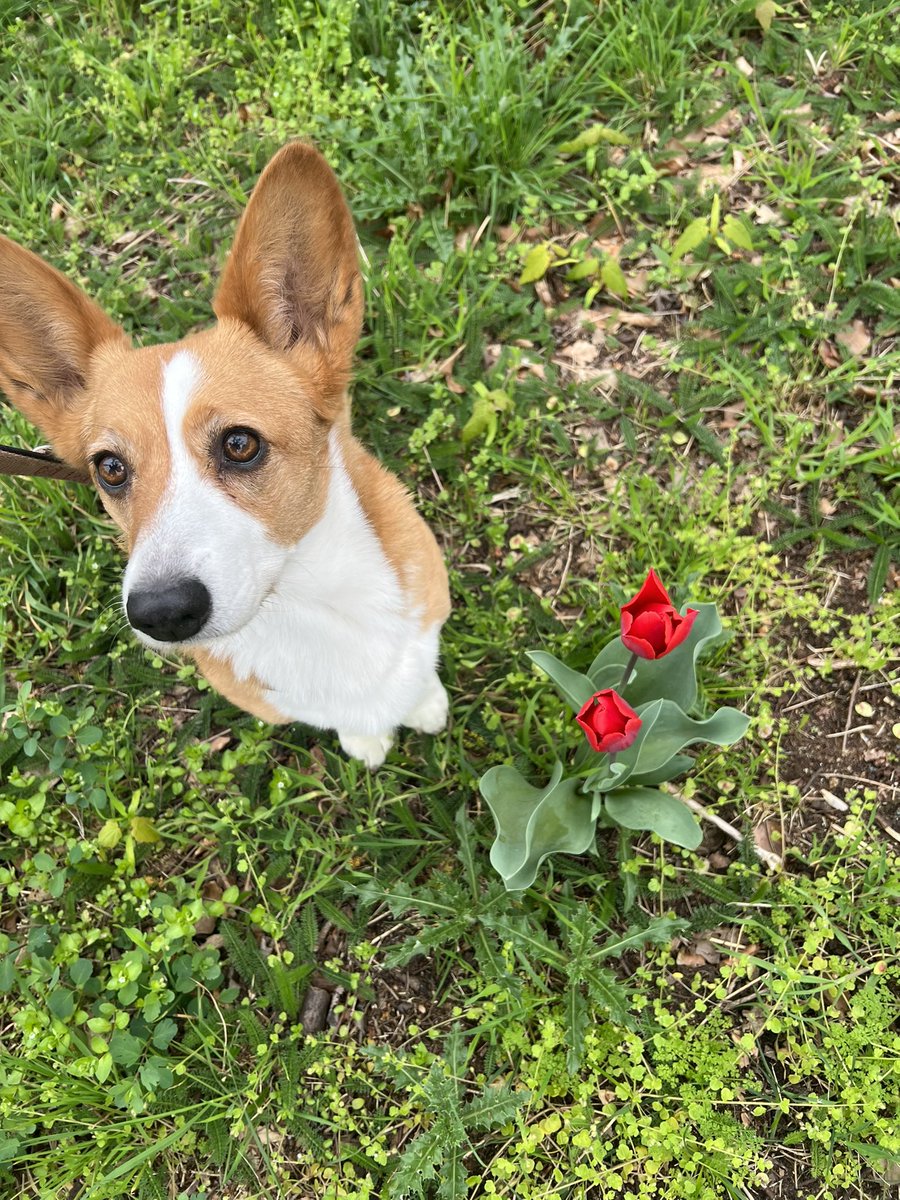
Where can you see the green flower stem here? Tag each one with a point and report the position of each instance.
(626, 675)
(629, 667)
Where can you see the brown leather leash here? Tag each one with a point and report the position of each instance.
(40, 463)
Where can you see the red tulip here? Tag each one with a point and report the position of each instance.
(608, 722)
(651, 625)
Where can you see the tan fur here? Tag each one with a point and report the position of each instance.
(278, 361)
(245, 693)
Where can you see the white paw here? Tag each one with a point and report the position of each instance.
(430, 714)
(370, 750)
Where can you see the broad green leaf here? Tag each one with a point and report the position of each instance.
(485, 413)
(665, 731)
(7, 973)
(646, 808)
(613, 279)
(583, 270)
(61, 1003)
(576, 689)
(110, 835)
(534, 822)
(592, 136)
(9, 1148)
(692, 238)
(677, 765)
(125, 1048)
(736, 231)
(537, 263)
(673, 676)
(765, 13)
(482, 421)
(163, 1032)
(143, 830)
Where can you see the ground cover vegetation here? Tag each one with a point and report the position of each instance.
(632, 302)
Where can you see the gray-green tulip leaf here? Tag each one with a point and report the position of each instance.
(665, 731)
(534, 822)
(576, 689)
(658, 812)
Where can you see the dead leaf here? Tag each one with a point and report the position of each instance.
(543, 293)
(673, 165)
(726, 125)
(765, 215)
(580, 354)
(767, 843)
(530, 366)
(491, 355)
(608, 247)
(718, 175)
(829, 355)
(826, 508)
(641, 320)
(463, 238)
(124, 239)
(57, 210)
(603, 318)
(744, 67)
(429, 371)
(856, 339)
(700, 953)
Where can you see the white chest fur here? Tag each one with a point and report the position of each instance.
(336, 643)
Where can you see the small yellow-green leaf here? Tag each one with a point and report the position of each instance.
(537, 263)
(693, 237)
(714, 213)
(587, 268)
(592, 135)
(109, 835)
(765, 13)
(613, 279)
(736, 231)
(143, 830)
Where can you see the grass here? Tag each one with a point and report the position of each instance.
(182, 886)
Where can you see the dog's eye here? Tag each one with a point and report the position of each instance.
(241, 446)
(111, 471)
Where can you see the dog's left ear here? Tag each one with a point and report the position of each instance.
(50, 336)
(293, 273)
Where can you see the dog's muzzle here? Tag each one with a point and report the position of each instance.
(170, 612)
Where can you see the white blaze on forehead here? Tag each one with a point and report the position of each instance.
(181, 375)
(199, 531)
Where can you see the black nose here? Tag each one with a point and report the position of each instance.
(171, 612)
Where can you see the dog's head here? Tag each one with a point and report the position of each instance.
(210, 454)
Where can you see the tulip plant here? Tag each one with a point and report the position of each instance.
(633, 706)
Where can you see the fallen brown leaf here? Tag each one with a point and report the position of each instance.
(727, 124)
(767, 843)
(829, 355)
(856, 339)
(429, 371)
(744, 67)
(581, 353)
(718, 175)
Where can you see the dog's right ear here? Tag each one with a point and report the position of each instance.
(49, 331)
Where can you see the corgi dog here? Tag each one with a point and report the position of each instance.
(263, 541)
